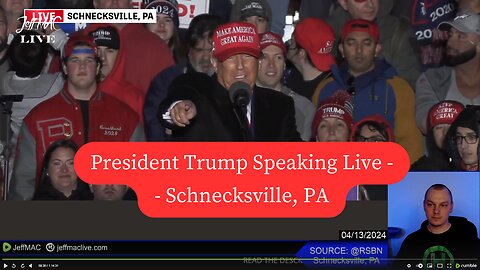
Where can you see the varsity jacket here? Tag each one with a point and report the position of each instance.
(61, 118)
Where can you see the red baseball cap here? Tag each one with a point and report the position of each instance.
(74, 40)
(317, 38)
(444, 112)
(235, 38)
(359, 25)
(270, 38)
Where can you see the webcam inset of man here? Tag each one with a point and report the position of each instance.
(445, 239)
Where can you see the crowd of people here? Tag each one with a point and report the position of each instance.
(359, 70)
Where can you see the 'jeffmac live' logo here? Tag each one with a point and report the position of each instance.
(46, 19)
(39, 19)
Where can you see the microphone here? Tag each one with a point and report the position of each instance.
(239, 93)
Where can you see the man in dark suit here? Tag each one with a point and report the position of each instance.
(198, 107)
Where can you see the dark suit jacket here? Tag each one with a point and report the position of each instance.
(273, 113)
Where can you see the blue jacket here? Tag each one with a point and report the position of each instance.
(157, 92)
(371, 92)
(379, 91)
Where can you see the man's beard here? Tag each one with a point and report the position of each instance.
(198, 67)
(461, 58)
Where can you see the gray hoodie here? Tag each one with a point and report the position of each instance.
(398, 44)
(432, 87)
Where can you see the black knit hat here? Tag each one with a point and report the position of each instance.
(468, 119)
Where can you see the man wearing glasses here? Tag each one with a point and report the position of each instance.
(462, 140)
(372, 129)
(459, 79)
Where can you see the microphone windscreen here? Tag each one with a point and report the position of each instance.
(239, 93)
